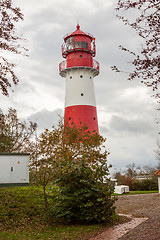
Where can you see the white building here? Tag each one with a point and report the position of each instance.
(158, 175)
(14, 168)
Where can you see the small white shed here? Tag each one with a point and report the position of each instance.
(158, 175)
(121, 189)
(14, 168)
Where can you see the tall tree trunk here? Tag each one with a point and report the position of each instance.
(46, 204)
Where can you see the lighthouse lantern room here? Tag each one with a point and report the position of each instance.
(79, 69)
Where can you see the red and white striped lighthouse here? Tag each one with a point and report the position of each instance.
(79, 69)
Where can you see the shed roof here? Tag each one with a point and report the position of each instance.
(157, 173)
(14, 154)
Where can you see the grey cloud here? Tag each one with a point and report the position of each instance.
(46, 119)
(132, 148)
(137, 126)
(104, 130)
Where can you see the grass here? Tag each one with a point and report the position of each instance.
(60, 233)
(136, 192)
(142, 192)
(22, 217)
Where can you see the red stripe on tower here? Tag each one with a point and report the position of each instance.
(79, 69)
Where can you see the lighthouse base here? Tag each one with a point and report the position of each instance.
(82, 115)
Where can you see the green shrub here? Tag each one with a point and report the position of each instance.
(144, 185)
(83, 197)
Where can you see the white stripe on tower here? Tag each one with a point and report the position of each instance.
(79, 88)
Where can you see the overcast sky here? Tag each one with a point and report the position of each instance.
(126, 110)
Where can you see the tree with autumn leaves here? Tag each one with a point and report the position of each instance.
(76, 161)
(15, 135)
(146, 23)
(9, 42)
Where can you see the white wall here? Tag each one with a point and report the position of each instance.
(159, 183)
(14, 168)
(75, 86)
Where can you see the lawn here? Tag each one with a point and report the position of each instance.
(137, 192)
(142, 192)
(22, 217)
(59, 232)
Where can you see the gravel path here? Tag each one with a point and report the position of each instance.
(145, 225)
(145, 205)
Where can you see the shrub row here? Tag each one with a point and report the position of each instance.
(144, 185)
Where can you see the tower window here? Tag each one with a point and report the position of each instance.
(70, 77)
(81, 44)
(11, 169)
(80, 56)
(81, 76)
(90, 77)
(71, 41)
(94, 118)
(82, 94)
(69, 118)
(85, 45)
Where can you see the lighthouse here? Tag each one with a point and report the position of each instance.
(79, 70)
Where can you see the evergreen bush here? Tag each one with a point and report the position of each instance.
(83, 197)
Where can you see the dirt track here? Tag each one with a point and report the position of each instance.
(139, 206)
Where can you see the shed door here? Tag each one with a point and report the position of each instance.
(17, 169)
(4, 169)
